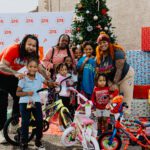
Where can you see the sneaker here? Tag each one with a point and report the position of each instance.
(39, 146)
(2, 138)
(23, 146)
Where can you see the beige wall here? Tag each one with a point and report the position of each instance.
(128, 16)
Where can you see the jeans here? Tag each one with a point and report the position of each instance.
(9, 85)
(26, 115)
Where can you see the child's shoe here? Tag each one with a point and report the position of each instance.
(39, 146)
(23, 146)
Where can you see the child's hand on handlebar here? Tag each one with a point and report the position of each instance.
(53, 84)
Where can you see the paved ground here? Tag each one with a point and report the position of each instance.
(53, 143)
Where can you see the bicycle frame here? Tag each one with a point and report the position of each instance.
(83, 131)
(56, 106)
(140, 132)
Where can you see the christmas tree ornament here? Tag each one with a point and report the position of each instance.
(74, 18)
(91, 18)
(81, 38)
(89, 28)
(78, 29)
(87, 12)
(112, 36)
(78, 46)
(95, 18)
(106, 28)
(80, 19)
(103, 11)
(97, 1)
(79, 6)
(78, 35)
(99, 27)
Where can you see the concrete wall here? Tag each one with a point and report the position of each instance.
(128, 16)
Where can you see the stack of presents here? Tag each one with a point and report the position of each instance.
(140, 61)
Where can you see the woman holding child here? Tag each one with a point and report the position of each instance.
(111, 60)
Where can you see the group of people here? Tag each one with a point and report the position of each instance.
(99, 77)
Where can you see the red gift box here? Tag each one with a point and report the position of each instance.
(145, 43)
(141, 91)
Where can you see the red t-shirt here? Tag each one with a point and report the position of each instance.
(101, 96)
(11, 54)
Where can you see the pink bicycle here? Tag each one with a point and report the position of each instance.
(82, 129)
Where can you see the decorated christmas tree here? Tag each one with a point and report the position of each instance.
(90, 18)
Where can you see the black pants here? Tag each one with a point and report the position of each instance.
(26, 115)
(9, 85)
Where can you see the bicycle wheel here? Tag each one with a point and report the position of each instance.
(65, 119)
(45, 125)
(145, 143)
(104, 141)
(68, 137)
(13, 136)
(93, 144)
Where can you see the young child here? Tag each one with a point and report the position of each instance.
(77, 53)
(86, 68)
(29, 98)
(101, 97)
(64, 93)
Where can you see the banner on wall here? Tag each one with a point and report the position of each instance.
(46, 26)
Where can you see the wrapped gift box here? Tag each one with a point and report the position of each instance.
(140, 107)
(145, 41)
(141, 91)
(140, 61)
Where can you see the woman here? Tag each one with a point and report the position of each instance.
(56, 54)
(111, 60)
(12, 59)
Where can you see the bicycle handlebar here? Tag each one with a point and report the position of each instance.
(62, 82)
(45, 89)
(42, 89)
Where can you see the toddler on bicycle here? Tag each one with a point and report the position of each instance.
(100, 98)
(30, 102)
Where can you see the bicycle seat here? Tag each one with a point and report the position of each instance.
(142, 124)
(85, 120)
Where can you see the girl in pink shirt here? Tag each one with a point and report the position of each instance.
(64, 93)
